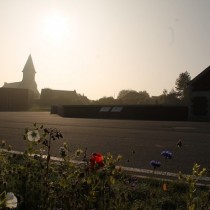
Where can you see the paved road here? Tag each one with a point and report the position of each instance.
(137, 141)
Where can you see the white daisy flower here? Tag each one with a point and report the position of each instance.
(11, 200)
(33, 135)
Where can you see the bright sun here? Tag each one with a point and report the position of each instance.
(55, 27)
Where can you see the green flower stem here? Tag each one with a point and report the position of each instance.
(47, 188)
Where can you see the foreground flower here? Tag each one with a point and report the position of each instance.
(155, 164)
(179, 144)
(164, 187)
(167, 154)
(96, 159)
(3, 143)
(11, 200)
(63, 151)
(33, 135)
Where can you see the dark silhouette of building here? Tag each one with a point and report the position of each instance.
(28, 81)
(15, 99)
(51, 97)
(199, 93)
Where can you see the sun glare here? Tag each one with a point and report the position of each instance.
(55, 28)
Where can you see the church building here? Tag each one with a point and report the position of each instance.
(28, 81)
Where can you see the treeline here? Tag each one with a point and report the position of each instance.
(176, 96)
(179, 95)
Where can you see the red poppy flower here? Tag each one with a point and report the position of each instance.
(96, 159)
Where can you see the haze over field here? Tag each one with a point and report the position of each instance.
(99, 47)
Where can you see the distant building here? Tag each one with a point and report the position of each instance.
(199, 87)
(28, 81)
(51, 97)
(15, 99)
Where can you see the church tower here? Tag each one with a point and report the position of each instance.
(28, 80)
(29, 71)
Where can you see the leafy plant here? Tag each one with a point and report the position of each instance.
(193, 199)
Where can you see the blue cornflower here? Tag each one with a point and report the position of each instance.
(167, 154)
(155, 164)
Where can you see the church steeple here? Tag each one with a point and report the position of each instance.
(29, 66)
(28, 80)
(29, 71)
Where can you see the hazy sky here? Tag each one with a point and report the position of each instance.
(99, 47)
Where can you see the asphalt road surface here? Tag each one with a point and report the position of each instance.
(138, 142)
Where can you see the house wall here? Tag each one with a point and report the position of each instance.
(199, 106)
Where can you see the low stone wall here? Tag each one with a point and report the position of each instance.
(134, 112)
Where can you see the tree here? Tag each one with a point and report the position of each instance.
(130, 98)
(165, 92)
(133, 97)
(168, 98)
(182, 89)
(105, 101)
(144, 97)
(122, 93)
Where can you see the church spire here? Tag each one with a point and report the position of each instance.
(29, 66)
(28, 80)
